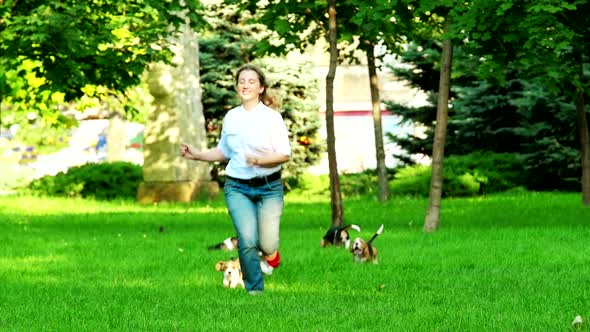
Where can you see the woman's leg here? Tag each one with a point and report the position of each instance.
(270, 209)
(243, 213)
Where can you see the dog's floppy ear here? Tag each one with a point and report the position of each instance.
(221, 266)
(344, 234)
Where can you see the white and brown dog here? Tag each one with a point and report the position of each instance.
(230, 243)
(364, 251)
(338, 236)
(232, 273)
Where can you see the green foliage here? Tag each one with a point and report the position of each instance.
(474, 174)
(308, 185)
(100, 181)
(547, 44)
(494, 172)
(295, 25)
(134, 104)
(510, 115)
(351, 185)
(51, 50)
(359, 184)
(412, 181)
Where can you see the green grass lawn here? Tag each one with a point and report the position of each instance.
(517, 262)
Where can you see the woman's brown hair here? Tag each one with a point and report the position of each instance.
(266, 97)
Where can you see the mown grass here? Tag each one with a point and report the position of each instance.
(516, 262)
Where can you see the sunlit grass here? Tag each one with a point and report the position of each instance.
(514, 262)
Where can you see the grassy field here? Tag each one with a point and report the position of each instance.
(513, 262)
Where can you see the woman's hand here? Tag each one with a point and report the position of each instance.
(188, 152)
(252, 160)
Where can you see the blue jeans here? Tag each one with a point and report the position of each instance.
(256, 215)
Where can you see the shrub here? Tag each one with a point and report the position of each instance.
(473, 174)
(354, 184)
(358, 184)
(308, 184)
(100, 181)
(494, 171)
(412, 181)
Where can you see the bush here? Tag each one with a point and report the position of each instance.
(351, 185)
(308, 184)
(411, 181)
(473, 174)
(100, 181)
(495, 172)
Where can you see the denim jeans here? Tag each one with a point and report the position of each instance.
(256, 215)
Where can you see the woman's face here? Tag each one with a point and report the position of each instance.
(249, 87)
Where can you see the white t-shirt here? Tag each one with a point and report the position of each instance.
(261, 129)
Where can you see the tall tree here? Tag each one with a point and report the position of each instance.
(382, 181)
(584, 134)
(335, 193)
(432, 219)
(433, 13)
(372, 23)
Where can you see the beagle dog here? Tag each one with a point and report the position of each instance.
(232, 273)
(364, 251)
(338, 236)
(230, 243)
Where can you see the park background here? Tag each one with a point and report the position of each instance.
(118, 240)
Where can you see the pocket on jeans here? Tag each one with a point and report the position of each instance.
(228, 185)
(276, 185)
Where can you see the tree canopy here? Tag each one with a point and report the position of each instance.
(50, 51)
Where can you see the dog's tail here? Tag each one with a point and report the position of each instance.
(379, 231)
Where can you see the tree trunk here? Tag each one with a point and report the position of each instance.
(382, 183)
(335, 194)
(584, 138)
(438, 150)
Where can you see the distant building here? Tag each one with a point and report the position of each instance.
(353, 119)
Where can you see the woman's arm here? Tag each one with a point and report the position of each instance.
(211, 155)
(266, 159)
